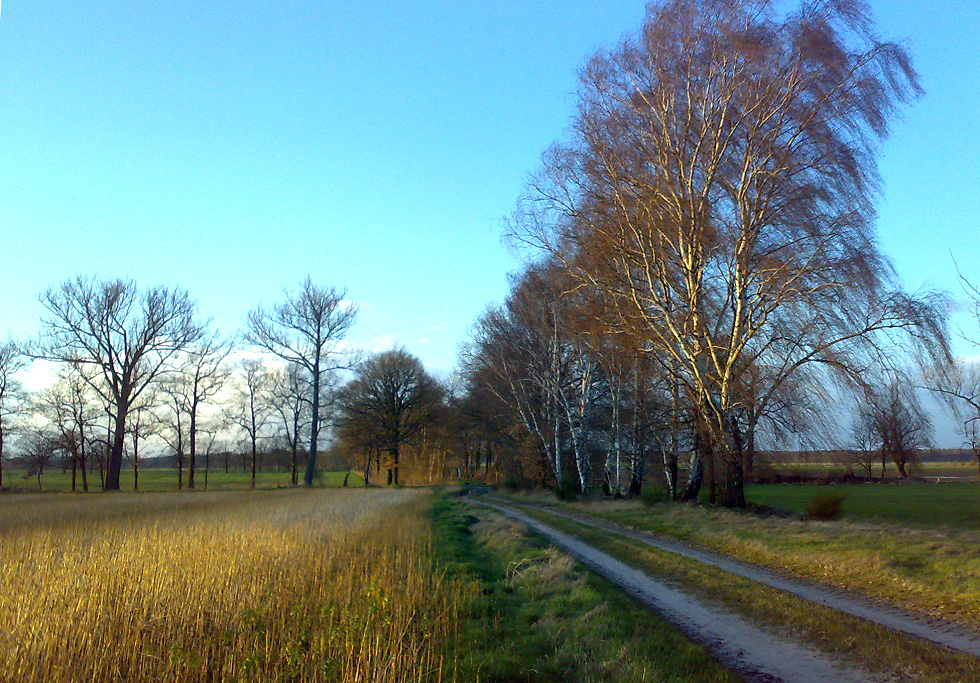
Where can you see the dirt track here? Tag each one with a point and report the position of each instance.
(948, 635)
(756, 654)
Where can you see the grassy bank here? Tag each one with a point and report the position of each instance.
(294, 585)
(539, 616)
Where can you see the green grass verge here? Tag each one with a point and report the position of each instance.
(537, 615)
(931, 570)
(948, 504)
(54, 481)
(887, 654)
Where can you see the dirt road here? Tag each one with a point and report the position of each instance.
(946, 634)
(756, 654)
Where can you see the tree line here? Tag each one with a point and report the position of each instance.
(703, 270)
(140, 365)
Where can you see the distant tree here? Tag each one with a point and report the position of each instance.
(866, 442)
(171, 421)
(126, 335)
(203, 372)
(958, 385)
(72, 416)
(200, 373)
(289, 399)
(305, 330)
(12, 394)
(893, 414)
(144, 423)
(210, 431)
(392, 397)
(40, 446)
(252, 411)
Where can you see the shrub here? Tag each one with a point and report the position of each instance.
(826, 505)
(651, 495)
(567, 487)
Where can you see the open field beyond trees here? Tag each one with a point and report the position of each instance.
(151, 479)
(947, 504)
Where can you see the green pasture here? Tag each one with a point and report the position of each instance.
(166, 480)
(942, 470)
(952, 504)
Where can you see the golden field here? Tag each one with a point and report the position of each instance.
(295, 585)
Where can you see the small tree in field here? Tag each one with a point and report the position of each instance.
(251, 409)
(893, 416)
(40, 447)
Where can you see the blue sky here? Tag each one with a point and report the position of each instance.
(233, 148)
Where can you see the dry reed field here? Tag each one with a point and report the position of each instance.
(295, 585)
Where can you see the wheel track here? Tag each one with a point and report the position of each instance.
(937, 631)
(758, 655)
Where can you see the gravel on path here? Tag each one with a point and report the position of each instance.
(757, 655)
(937, 631)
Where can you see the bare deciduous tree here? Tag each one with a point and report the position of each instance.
(72, 416)
(718, 191)
(900, 427)
(40, 445)
(393, 397)
(958, 385)
(288, 395)
(201, 373)
(127, 335)
(305, 330)
(11, 393)
(251, 405)
(143, 423)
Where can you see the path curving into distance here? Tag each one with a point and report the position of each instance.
(949, 635)
(757, 655)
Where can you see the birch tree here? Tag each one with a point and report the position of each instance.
(717, 189)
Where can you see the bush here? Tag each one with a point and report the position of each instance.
(651, 495)
(826, 505)
(567, 487)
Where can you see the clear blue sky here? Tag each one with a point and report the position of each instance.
(233, 148)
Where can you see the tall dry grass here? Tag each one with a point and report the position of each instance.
(249, 586)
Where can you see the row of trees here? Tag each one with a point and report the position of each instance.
(705, 268)
(134, 362)
(138, 366)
